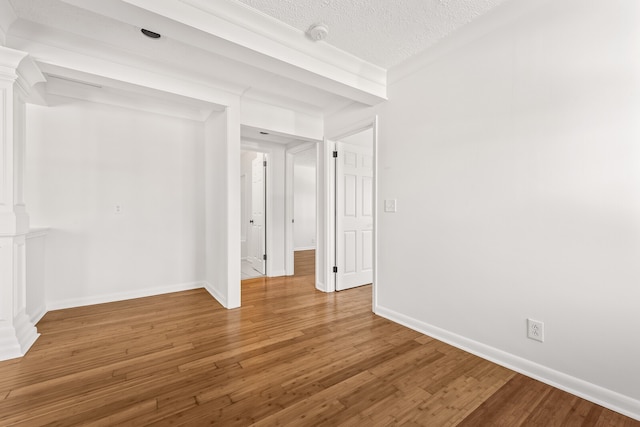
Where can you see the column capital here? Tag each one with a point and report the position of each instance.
(18, 74)
(18, 67)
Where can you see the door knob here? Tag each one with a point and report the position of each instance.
(251, 222)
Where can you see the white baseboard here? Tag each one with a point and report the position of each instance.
(304, 248)
(215, 294)
(38, 314)
(277, 273)
(592, 392)
(121, 296)
(16, 339)
(322, 287)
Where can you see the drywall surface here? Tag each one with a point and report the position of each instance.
(304, 206)
(222, 262)
(515, 162)
(121, 192)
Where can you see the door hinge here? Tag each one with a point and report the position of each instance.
(335, 154)
(335, 269)
(264, 257)
(264, 163)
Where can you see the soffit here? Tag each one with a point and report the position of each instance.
(300, 74)
(191, 54)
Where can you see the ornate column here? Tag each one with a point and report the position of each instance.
(18, 74)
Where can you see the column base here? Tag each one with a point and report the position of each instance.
(17, 339)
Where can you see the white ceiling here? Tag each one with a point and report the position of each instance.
(383, 32)
(254, 49)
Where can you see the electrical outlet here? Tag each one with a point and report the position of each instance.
(117, 209)
(535, 330)
(390, 205)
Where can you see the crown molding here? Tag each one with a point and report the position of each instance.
(254, 21)
(71, 59)
(20, 66)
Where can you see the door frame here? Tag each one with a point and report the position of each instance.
(326, 228)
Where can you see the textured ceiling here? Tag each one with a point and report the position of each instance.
(383, 32)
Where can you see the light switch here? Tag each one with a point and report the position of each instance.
(390, 205)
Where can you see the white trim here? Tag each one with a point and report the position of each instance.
(304, 248)
(277, 273)
(288, 214)
(327, 201)
(38, 315)
(374, 287)
(215, 294)
(594, 393)
(122, 296)
(16, 339)
(37, 232)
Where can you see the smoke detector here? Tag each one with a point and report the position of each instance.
(318, 32)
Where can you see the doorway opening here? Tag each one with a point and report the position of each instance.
(253, 209)
(303, 194)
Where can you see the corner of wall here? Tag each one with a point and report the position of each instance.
(216, 294)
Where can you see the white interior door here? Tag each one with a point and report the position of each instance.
(354, 215)
(256, 249)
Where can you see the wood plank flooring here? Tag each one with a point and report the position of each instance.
(290, 356)
(304, 262)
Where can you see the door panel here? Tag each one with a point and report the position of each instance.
(354, 216)
(256, 249)
(367, 196)
(367, 250)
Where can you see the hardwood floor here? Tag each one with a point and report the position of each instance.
(290, 356)
(304, 263)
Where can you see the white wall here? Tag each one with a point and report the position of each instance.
(83, 159)
(222, 206)
(515, 159)
(304, 205)
(280, 120)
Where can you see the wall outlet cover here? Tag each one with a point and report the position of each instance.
(535, 330)
(390, 205)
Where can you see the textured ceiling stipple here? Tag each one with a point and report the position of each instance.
(383, 32)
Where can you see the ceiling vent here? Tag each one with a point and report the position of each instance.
(150, 33)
